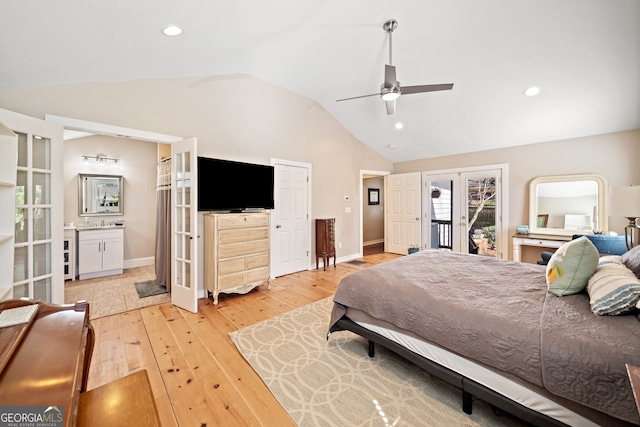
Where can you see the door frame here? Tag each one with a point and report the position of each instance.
(502, 215)
(120, 131)
(363, 173)
(308, 166)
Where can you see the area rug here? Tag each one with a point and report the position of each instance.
(149, 288)
(333, 382)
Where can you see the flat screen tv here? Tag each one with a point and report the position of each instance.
(224, 185)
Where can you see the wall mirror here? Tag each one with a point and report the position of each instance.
(100, 195)
(568, 204)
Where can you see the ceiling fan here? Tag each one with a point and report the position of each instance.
(391, 90)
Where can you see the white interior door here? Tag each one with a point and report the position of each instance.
(38, 230)
(184, 224)
(403, 217)
(290, 220)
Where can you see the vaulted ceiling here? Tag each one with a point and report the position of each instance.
(583, 55)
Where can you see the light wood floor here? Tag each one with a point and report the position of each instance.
(197, 375)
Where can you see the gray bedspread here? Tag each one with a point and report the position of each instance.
(499, 313)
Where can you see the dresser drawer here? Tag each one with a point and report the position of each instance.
(257, 275)
(242, 221)
(257, 261)
(231, 280)
(243, 248)
(242, 235)
(229, 266)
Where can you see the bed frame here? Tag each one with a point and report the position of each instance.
(469, 387)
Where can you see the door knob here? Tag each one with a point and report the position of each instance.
(278, 226)
(417, 218)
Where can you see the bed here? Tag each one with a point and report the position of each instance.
(491, 328)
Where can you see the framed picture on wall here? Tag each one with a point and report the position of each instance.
(374, 196)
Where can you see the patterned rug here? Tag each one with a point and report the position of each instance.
(149, 288)
(335, 383)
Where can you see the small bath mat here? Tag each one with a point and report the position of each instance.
(149, 288)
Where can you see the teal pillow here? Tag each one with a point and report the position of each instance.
(571, 266)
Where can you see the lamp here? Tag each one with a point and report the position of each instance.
(101, 160)
(625, 201)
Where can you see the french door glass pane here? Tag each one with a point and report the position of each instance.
(42, 289)
(22, 150)
(21, 291)
(187, 274)
(41, 259)
(441, 215)
(41, 188)
(21, 225)
(481, 210)
(20, 264)
(41, 224)
(22, 195)
(41, 153)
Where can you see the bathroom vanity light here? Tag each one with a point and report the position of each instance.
(100, 160)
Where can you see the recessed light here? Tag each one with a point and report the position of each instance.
(391, 146)
(532, 91)
(398, 125)
(172, 30)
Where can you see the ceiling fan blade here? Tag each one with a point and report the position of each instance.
(390, 76)
(406, 90)
(356, 97)
(391, 107)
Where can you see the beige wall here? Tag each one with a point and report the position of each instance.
(372, 215)
(138, 167)
(234, 117)
(614, 156)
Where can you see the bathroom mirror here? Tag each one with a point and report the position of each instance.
(568, 204)
(100, 195)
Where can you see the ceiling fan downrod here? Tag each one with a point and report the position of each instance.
(389, 26)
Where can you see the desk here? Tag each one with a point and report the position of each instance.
(539, 240)
(51, 365)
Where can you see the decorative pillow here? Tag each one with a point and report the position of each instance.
(632, 260)
(613, 289)
(571, 266)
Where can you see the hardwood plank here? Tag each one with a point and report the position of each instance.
(187, 396)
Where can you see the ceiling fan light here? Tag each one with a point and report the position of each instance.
(390, 96)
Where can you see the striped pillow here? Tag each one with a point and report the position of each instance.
(613, 289)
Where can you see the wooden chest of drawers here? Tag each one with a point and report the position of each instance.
(236, 252)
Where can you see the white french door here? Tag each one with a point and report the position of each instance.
(184, 224)
(403, 216)
(38, 257)
(290, 220)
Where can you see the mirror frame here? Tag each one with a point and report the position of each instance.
(603, 222)
(81, 194)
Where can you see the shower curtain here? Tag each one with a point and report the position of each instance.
(163, 224)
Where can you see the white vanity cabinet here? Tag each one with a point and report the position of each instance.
(100, 252)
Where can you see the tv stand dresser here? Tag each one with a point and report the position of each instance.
(236, 252)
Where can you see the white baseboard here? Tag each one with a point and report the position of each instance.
(139, 262)
(338, 260)
(373, 242)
